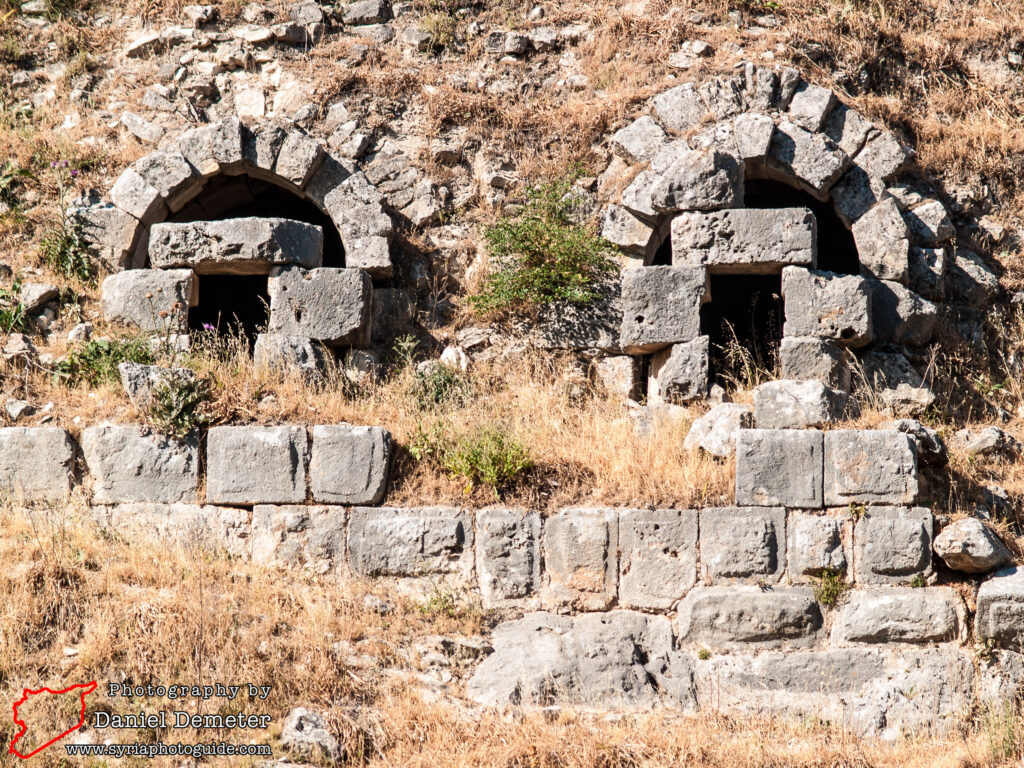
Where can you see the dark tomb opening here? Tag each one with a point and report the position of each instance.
(837, 251)
(663, 256)
(231, 304)
(743, 321)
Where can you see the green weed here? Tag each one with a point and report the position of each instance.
(830, 588)
(95, 362)
(177, 405)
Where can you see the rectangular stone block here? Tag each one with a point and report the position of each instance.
(680, 372)
(893, 545)
(349, 465)
(581, 559)
(36, 463)
(137, 297)
(792, 404)
(819, 359)
(508, 557)
(192, 526)
(327, 305)
(745, 240)
(779, 467)
(744, 616)
(819, 543)
(658, 564)
(661, 306)
(827, 306)
(900, 615)
(299, 536)
(869, 466)
(810, 161)
(410, 542)
(743, 543)
(135, 464)
(256, 465)
(1000, 616)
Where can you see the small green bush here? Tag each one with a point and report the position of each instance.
(540, 255)
(486, 455)
(830, 588)
(96, 361)
(441, 386)
(12, 314)
(177, 405)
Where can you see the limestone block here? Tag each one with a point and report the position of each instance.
(929, 223)
(355, 207)
(597, 325)
(327, 305)
(723, 95)
(792, 404)
(869, 466)
(138, 296)
(286, 354)
(715, 431)
(827, 306)
(366, 12)
(639, 141)
(508, 556)
(636, 198)
(883, 157)
(108, 232)
(349, 465)
(970, 546)
(134, 464)
(895, 382)
(625, 230)
(805, 357)
(971, 280)
(900, 615)
(809, 160)
(256, 465)
(893, 545)
(679, 373)
(260, 148)
(745, 240)
(931, 448)
(172, 176)
(661, 306)
(299, 158)
(215, 148)
(410, 542)
(929, 270)
(753, 132)
(816, 544)
(883, 243)
(810, 105)
(743, 543)
(299, 536)
(856, 193)
(137, 197)
(679, 109)
(581, 559)
(899, 315)
(658, 562)
(619, 375)
(744, 616)
(779, 467)
(847, 128)
(246, 246)
(36, 463)
(205, 528)
(699, 180)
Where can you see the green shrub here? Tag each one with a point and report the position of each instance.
(440, 385)
(177, 405)
(12, 313)
(96, 361)
(486, 455)
(830, 588)
(540, 255)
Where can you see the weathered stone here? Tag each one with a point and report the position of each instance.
(899, 315)
(810, 358)
(36, 463)
(216, 148)
(138, 296)
(810, 105)
(724, 96)
(285, 354)
(507, 555)
(882, 243)
(815, 545)
(743, 543)
(894, 382)
(700, 180)
(856, 193)
(327, 305)
(970, 546)
(829, 306)
(929, 268)
(661, 306)
(172, 176)
(108, 232)
(883, 157)
(658, 562)
(256, 465)
(865, 466)
(1000, 616)
(355, 207)
(791, 404)
(305, 735)
(261, 147)
(929, 223)
(349, 465)
(668, 156)
(715, 431)
(367, 12)
(136, 196)
(410, 542)
(753, 132)
(299, 158)
(847, 128)
(893, 545)
(810, 160)
(971, 280)
(746, 240)
(625, 230)
(246, 246)
(139, 381)
(580, 559)
(736, 617)
(597, 325)
(299, 536)
(680, 372)
(931, 449)
(987, 441)
(779, 467)
(619, 659)
(679, 109)
(639, 141)
(636, 198)
(33, 296)
(900, 615)
(133, 464)
(619, 375)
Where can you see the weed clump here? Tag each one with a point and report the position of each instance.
(486, 455)
(830, 588)
(177, 405)
(95, 362)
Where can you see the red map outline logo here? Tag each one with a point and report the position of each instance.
(87, 689)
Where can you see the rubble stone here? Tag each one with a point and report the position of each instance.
(970, 546)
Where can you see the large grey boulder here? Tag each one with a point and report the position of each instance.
(680, 373)
(715, 431)
(743, 616)
(658, 560)
(827, 306)
(138, 297)
(699, 180)
(507, 556)
(809, 160)
(866, 466)
(900, 615)
(1000, 608)
(299, 536)
(246, 246)
(349, 465)
(893, 545)
(807, 357)
(988, 442)
(305, 735)
(743, 543)
(256, 465)
(410, 542)
(36, 463)
(883, 244)
(791, 404)
(581, 559)
(134, 464)
(779, 467)
(619, 659)
(901, 316)
(816, 544)
(746, 240)
(327, 305)
(970, 546)
(661, 306)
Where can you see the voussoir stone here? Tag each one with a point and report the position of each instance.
(970, 546)
(246, 246)
(900, 615)
(791, 404)
(658, 560)
(508, 555)
(349, 465)
(699, 180)
(256, 465)
(661, 306)
(215, 148)
(410, 542)
(679, 109)
(134, 464)
(715, 432)
(829, 306)
(174, 177)
(883, 243)
(36, 463)
(731, 617)
(743, 543)
(327, 305)
(138, 296)
(810, 160)
(869, 466)
(746, 240)
(639, 141)
(810, 106)
(901, 316)
(893, 545)
(581, 559)
(779, 467)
